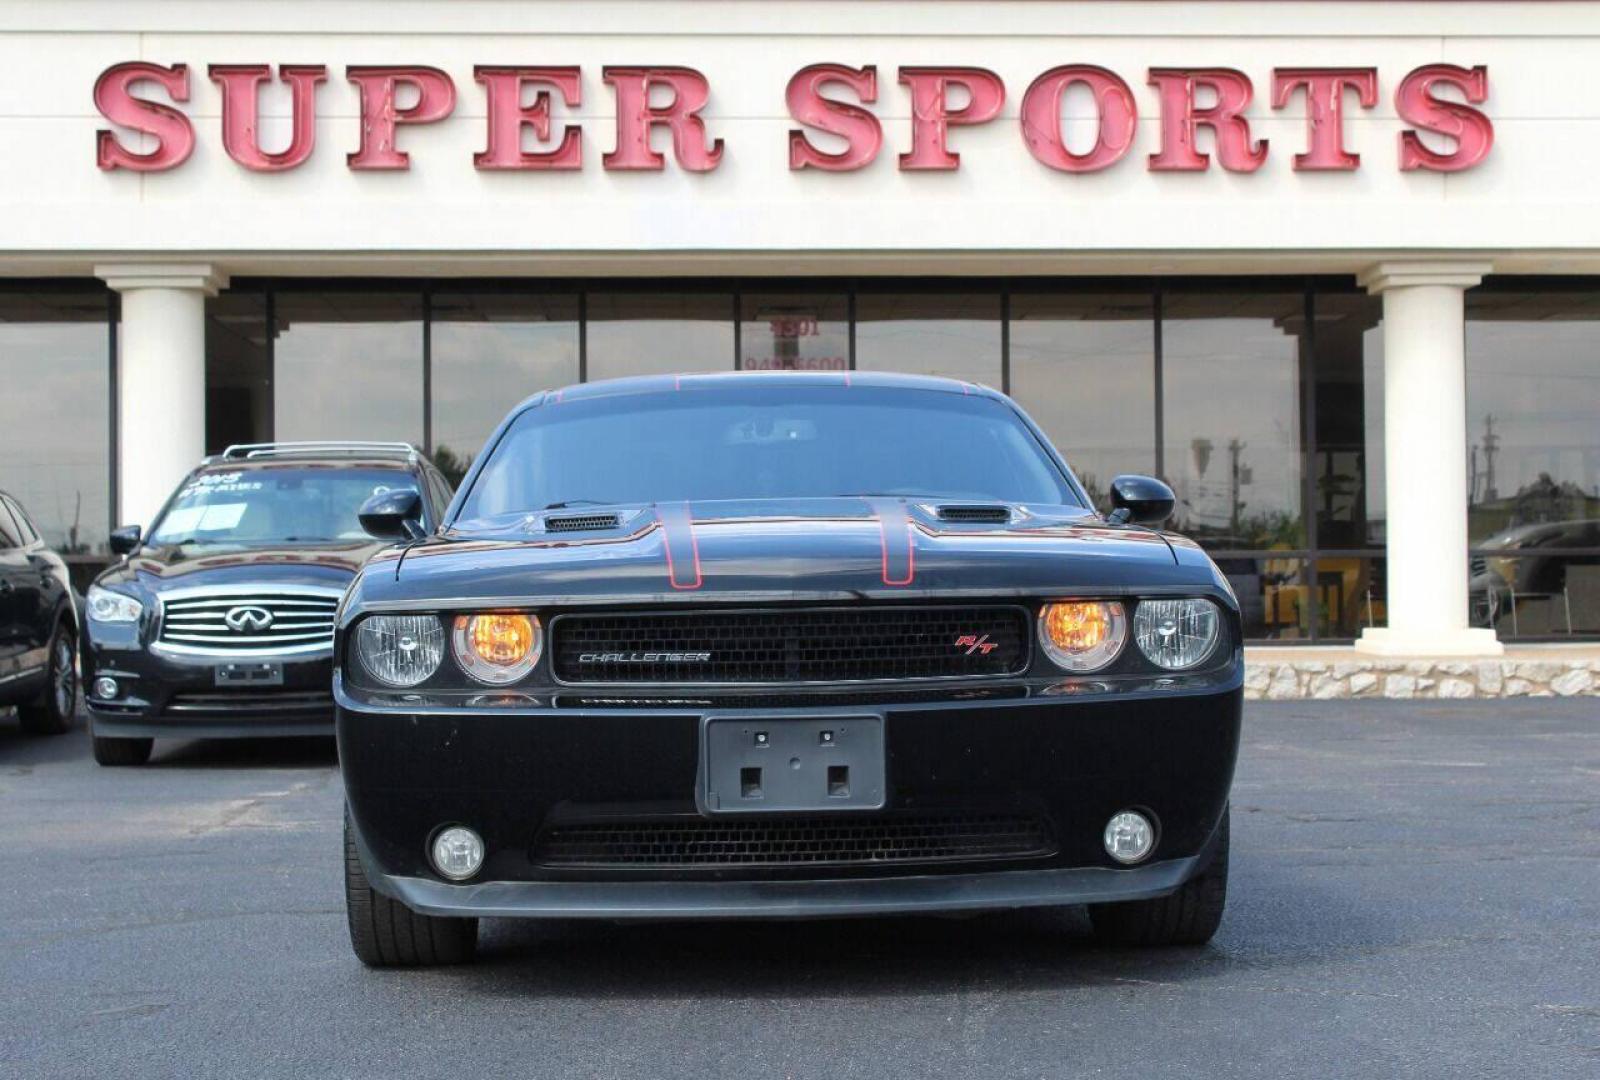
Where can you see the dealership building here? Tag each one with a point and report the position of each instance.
(1331, 269)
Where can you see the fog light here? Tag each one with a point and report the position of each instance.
(1129, 837)
(105, 687)
(457, 852)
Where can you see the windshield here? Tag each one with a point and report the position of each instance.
(765, 442)
(290, 505)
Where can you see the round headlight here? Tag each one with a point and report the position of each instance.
(1176, 634)
(1082, 635)
(497, 647)
(400, 650)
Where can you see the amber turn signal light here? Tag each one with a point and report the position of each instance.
(1082, 635)
(498, 647)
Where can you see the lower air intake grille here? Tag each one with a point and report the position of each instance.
(806, 841)
(791, 645)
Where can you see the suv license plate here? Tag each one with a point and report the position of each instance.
(754, 765)
(247, 674)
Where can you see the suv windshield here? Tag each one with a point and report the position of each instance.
(275, 505)
(765, 442)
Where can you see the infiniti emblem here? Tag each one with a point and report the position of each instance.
(248, 620)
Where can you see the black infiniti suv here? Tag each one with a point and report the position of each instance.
(38, 617)
(219, 622)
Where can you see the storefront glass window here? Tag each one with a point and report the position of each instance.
(794, 332)
(1083, 365)
(659, 333)
(956, 335)
(1231, 396)
(55, 414)
(1347, 460)
(1533, 460)
(348, 365)
(239, 396)
(489, 351)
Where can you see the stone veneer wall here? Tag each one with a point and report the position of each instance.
(1270, 675)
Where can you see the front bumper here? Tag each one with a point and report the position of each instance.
(512, 773)
(165, 695)
(815, 899)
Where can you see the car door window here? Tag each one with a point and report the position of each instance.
(27, 535)
(10, 535)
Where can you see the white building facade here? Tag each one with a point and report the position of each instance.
(1331, 269)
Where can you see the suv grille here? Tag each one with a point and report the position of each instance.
(805, 841)
(794, 645)
(297, 621)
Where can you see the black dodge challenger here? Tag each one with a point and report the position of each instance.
(782, 645)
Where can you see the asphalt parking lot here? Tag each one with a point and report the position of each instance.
(1416, 891)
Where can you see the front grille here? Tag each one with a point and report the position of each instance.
(580, 522)
(254, 703)
(790, 645)
(298, 621)
(1478, 566)
(801, 841)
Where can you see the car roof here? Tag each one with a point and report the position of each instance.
(660, 384)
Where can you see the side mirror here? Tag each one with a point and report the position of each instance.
(393, 515)
(125, 541)
(1141, 500)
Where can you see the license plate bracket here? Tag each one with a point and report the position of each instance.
(764, 765)
(248, 673)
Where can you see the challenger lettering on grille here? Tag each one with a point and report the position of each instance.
(644, 658)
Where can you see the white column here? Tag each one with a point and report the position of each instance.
(1425, 447)
(161, 380)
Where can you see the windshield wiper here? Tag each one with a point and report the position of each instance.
(564, 503)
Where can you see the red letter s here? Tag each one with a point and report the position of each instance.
(855, 125)
(1471, 129)
(171, 129)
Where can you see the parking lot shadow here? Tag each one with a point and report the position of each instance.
(293, 753)
(18, 749)
(1047, 948)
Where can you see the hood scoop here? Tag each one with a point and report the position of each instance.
(975, 513)
(558, 523)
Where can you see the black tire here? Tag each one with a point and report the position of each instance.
(386, 933)
(1189, 916)
(117, 752)
(52, 712)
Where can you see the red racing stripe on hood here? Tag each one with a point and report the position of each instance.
(683, 550)
(899, 546)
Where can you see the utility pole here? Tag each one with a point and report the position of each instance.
(1491, 447)
(1235, 478)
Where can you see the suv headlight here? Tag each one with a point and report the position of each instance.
(400, 650)
(1176, 634)
(497, 647)
(112, 607)
(1082, 635)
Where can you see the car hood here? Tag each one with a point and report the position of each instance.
(783, 550)
(160, 568)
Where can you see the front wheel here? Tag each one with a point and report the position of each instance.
(1189, 916)
(386, 933)
(52, 712)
